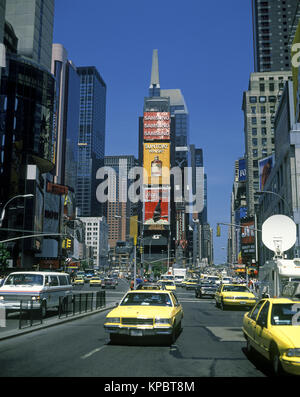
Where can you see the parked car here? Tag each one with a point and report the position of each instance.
(272, 328)
(205, 289)
(145, 313)
(234, 295)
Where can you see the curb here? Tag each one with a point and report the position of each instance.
(56, 321)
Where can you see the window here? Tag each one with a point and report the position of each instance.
(254, 131)
(262, 99)
(263, 315)
(264, 141)
(264, 131)
(256, 309)
(252, 99)
(262, 109)
(253, 109)
(253, 120)
(255, 152)
(254, 141)
(272, 98)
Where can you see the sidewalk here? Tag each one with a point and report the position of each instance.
(49, 322)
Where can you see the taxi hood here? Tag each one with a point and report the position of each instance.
(291, 333)
(148, 311)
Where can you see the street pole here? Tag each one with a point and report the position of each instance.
(134, 263)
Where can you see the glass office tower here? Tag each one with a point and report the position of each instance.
(91, 140)
(33, 24)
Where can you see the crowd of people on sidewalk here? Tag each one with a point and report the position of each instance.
(253, 284)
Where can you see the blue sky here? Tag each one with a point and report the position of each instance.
(204, 48)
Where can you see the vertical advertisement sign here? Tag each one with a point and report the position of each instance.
(156, 163)
(265, 167)
(156, 126)
(156, 205)
(242, 170)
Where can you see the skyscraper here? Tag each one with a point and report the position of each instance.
(27, 107)
(33, 24)
(91, 140)
(260, 103)
(66, 117)
(274, 26)
(120, 206)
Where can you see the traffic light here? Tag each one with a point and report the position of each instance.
(218, 230)
(63, 243)
(69, 243)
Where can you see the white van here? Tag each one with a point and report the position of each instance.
(43, 288)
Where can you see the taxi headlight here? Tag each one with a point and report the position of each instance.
(113, 319)
(293, 353)
(35, 298)
(1, 298)
(159, 320)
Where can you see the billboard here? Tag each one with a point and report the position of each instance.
(156, 126)
(248, 241)
(242, 170)
(156, 203)
(156, 163)
(265, 167)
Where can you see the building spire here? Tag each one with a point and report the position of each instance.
(154, 88)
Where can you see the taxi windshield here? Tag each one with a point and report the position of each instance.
(235, 288)
(146, 299)
(285, 314)
(24, 279)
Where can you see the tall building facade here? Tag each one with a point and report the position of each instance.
(33, 24)
(27, 108)
(91, 140)
(119, 207)
(260, 103)
(96, 236)
(65, 140)
(274, 26)
(2, 47)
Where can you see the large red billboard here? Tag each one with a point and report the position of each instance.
(156, 206)
(156, 126)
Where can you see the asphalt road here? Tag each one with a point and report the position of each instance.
(211, 344)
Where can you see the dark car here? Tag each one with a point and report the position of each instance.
(205, 289)
(108, 283)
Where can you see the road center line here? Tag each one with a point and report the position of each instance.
(92, 352)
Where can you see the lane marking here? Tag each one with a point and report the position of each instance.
(92, 352)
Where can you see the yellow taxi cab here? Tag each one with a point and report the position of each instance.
(78, 281)
(151, 286)
(234, 295)
(272, 328)
(145, 313)
(95, 281)
(191, 283)
(168, 285)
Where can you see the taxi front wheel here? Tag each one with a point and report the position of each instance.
(222, 305)
(275, 360)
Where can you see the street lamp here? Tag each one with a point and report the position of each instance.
(13, 198)
(258, 193)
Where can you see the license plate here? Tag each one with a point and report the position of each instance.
(242, 303)
(136, 332)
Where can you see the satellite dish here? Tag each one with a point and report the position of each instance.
(279, 233)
